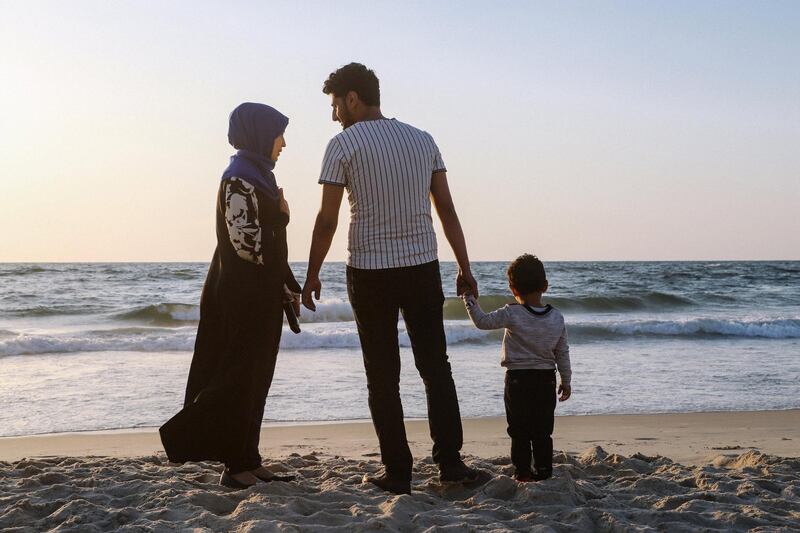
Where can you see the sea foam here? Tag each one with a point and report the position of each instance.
(786, 328)
(345, 335)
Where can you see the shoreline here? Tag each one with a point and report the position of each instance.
(284, 423)
(689, 438)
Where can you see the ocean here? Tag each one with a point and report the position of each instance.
(91, 346)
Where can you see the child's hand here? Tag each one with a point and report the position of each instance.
(468, 298)
(564, 392)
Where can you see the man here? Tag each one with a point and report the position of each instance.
(391, 171)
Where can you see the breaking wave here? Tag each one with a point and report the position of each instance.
(344, 335)
(652, 301)
(178, 314)
(337, 310)
(182, 339)
(163, 314)
(788, 328)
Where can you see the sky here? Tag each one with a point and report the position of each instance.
(659, 130)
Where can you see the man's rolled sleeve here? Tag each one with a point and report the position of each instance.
(335, 170)
(438, 162)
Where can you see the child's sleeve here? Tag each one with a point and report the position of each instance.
(562, 358)
(494, 320)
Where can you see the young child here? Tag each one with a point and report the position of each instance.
(534, 345)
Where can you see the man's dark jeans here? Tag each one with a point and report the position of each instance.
(530, 399)
(377, 296)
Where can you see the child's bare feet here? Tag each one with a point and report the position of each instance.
(524, 477)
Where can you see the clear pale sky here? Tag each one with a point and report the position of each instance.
(574, 130)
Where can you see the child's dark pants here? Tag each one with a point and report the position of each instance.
(530, 399)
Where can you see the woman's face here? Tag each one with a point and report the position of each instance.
(280, 142)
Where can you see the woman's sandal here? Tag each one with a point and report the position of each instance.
(226, 480)
(275, 477)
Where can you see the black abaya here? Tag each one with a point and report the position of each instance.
(241, 317)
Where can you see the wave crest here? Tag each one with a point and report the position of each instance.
(783, 328)
(182, 339)
(345, 335)
(22, 270)
(164, 314)
(454, 308)
(179, 314)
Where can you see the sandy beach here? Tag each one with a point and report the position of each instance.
(678, 472)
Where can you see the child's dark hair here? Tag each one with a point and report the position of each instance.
(526, 274)
(357, 78)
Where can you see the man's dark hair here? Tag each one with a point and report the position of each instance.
(357, 78)
(526, 274)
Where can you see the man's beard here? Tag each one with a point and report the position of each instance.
(346, 121)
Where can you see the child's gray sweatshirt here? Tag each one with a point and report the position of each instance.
(533, 339)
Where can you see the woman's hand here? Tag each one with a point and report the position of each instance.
(290, 296)
(283, 205)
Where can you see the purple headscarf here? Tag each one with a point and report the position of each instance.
(252, 130)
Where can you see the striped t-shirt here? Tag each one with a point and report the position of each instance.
(386, 166)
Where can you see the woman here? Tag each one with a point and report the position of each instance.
(241, 309)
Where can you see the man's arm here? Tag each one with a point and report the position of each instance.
(443, 202)
(324, 230)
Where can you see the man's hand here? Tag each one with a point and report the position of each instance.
(465, 283)
(324, 228)
(564, 392)
(312, 285)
